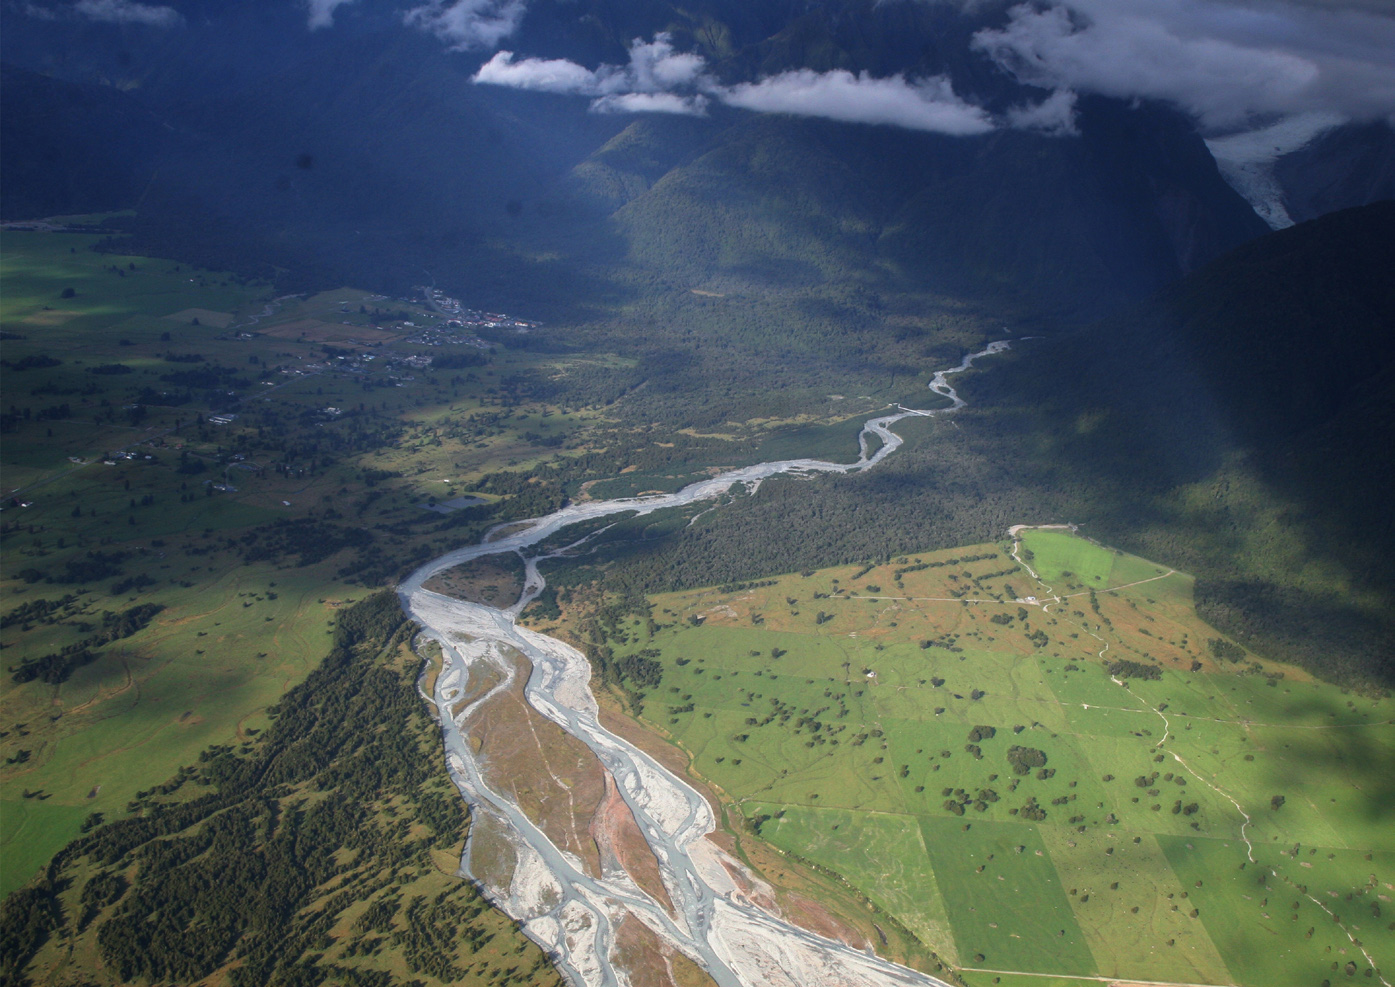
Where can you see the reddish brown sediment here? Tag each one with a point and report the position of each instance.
(770, 865)
(621, 844)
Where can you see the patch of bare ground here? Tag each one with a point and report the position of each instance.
(315, 331)
(506, 530)
(621, 844)
(652, 963)
(558, 627)
(49, 317)
(493, 858)
(207, 317)
(583, 493)
(1141, 636)
(553, 777)
(493, 580)
(809, 914)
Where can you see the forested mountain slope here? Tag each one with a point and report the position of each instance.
(72, 147)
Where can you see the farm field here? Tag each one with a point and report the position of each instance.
(1048, 778)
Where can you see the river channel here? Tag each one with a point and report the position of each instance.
(570, 912)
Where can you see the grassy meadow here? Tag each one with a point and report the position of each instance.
(862, 718)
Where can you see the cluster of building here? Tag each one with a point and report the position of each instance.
(459, 317)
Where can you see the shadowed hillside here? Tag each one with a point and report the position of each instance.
(1242, 425)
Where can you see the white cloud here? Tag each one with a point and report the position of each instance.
(923, 104)
(320, 13)
(1227, 63)
(659, 79)
(691, 105)
(656, 80)
(1232, 64)
(1053, 116)
(656, 67)
(466, 24)
(548, 75)
(127, 12)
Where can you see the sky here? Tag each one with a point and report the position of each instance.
(1234, 66)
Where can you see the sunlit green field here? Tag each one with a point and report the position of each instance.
(839, 709)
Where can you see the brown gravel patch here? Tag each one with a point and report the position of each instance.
(494, 580)
(315, 331)
(552, 776)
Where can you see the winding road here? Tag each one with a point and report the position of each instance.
(571, 913)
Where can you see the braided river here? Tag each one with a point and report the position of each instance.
(572, 913)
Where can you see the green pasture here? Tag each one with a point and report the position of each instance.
(1007, 905)
(1055, 553)
(33, 832)
(38, 267)
(975, 979)
(884, 856)
(1132, 908)
(837, 721)
(1267, 928)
